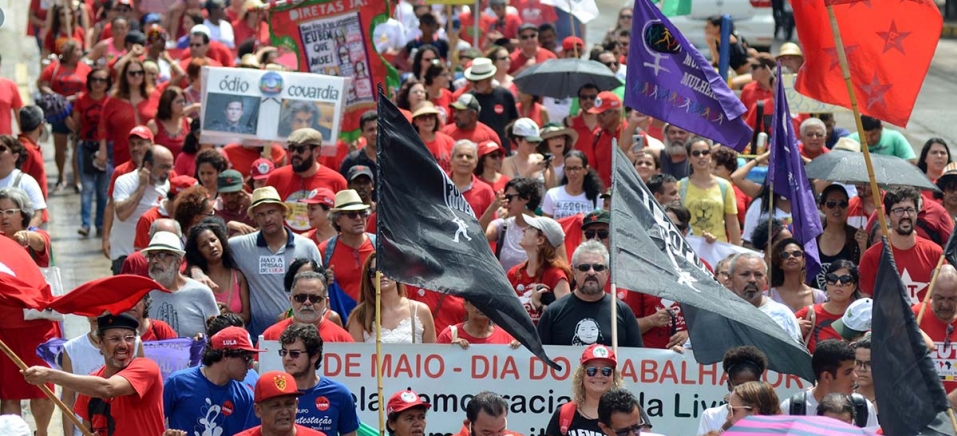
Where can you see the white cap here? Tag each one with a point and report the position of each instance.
(13, 425)
(200, 28)
(527, 129)
(856, 320)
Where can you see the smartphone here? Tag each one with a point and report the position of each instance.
(637, 143)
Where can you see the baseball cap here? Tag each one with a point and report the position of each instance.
(404, 400)
(232, 338)
(179, 184)
(596, 217)
(320, 196)
(142, 132)
(569, 43)
(527, 26)
(359, 170)
(305, 135)
(229, 181)
(598, 352)
(261, 168)
(489, 147)
(527, 129)
(274, 384)
(467, 102)
(605, 101)
(550, 228)
(856, 320)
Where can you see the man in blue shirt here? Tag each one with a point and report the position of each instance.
(325, 405)
(211, 399)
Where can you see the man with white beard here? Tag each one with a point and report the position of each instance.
(189, 303)
(674, 158)
(309, 299)
(749, 277)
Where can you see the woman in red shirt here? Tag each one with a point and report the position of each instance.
(489, 167)
(171, 125)
(411, 93)
(85, 121)
(249, 24)
(477, 329)
(130, 106)
(530, 106)
(437, 79)
(842, 278)
(63, 28)
(542, 278)
(65, 76)
(426, 121)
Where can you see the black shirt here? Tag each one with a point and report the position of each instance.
(573, 321)
(580, 426)
(358, 157)
(498, 109)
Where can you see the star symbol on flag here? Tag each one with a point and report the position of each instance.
(875, 91)
(912, 286)
(893, 38)
(835, 60)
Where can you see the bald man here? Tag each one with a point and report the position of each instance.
(940, 324)
(135, 193)
(477, 193)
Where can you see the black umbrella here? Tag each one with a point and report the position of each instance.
(561, 78)
(848, 167)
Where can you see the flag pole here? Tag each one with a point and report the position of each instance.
(475, 15)
(767, 247)
(378, 349)
(571, 22)
(930, 292)
(846, 71)
(46, 391)
(614, 318)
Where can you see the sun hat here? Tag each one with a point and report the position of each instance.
(481, 69)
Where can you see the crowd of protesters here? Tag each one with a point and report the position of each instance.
(214, 224)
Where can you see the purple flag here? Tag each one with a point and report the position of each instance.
(786, 170)
(171, 355)
(670, 80)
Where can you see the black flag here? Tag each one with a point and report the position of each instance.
(428, 235)
(950, 250)
(905, 381)
(651, 256)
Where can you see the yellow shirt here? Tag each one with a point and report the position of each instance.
(707, 208)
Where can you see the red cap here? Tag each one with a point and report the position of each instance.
(181, 183)
(489, 147)
(142, 132)
(320, 196)
(569, 43)
(598, 352)
(274, 384)
(232, 338)
(261, 168)
(404, 400)
(605, 101)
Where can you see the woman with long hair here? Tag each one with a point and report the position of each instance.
(476, 329)
(842, 278)
(839, 239)
(404, 321)
(934, 157)
(424, 56)
(207, 248)
(64, 27)
(788, 286)
(526, 162)
(85, 122)
(710, 199)
(738, 53)
(578, 191)
(503, 62)
(751, 398)
(186, 161)
(557, 141)
(522, 197)
(598, 373)
(209, 163)
(545, 270)
(130, 106)
(411, 93)
(437, 79)
(65, 76)
(489, 166)
(530, 106)
(646, 164)
(624, 20)
(171, 125)
(426, 122)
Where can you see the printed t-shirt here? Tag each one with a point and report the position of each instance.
(198, 406)
(915, 265)
(348, 263)
(292, 187)
(573, 321)
(441, 148)
(89, 110)
(560, 204)
(524, 285)
(328, 407)
(68, 81)
(944, 353)
(708, 208)
(580, 426)
(138, 413)
(822, 325)
(656, 337)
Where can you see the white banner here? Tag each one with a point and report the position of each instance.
(715, 251)
(257, 106)
(673, 389)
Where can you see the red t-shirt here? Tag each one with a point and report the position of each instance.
(55, 44)
(507, 25)
(535, 113)
(41, 259)
(68, 81)
(599, 152)
(498, 186)
(742, 201)
(118, 118)
(586, 135)
(478, 135)
(572, 226)
(348, 262)
(519, 58)
(915, 266)
(143, 226)
(300, 431)
(328, 331)
(498, 336)
(932, 218)
(657, 337)
(441, 148)
(480, 196)
(808, 154)
(822, 325)
(446, 309)
(753, 92)
(172, 142)
(89, 110)
(242, 32)
(139, 413)
(136, 264)
(534, 12)
(158, 331)
(523, 284)
(242, 158)
(442, 105)
(292, 187)
(33, 164)
(9, 101)
(467, 32)
(943, 357)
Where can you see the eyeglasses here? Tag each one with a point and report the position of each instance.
(503, 58)
(314, 299)
(527, 36)
(133, 73)
(587, 96)
(815, 134)
(789, 254)
(831, 204)
(117, 339)
(863, 365)
(248, 357)
(10, 212)
(901, 211)
(585, 267)
(161, 256)
(699, 153)
(98, 79)
(576, 169)
(601, 233)
(298, 148)
(833, 279)
(606, 371)
(292, 353)
(624, 17)
(354, 215)
(496, 155)
(636, 429)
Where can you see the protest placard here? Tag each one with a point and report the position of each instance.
(715, 251)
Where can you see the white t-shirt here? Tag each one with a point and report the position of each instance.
(558, 108)
(124, 232)
(712, 419)
(758, 212)
(782, 315)
(29, 185)
(223, 32)
(811, 408)
(559, 204)
(389, 35)
(511, 253)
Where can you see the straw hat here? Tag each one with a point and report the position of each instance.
(552, 130)
(165, 241)
(847, 144)
(481, 69)
(949, 174)
(265, 195)
(348, 200)
(789, 49)
(425, 108)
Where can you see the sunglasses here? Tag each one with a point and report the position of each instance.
(789, 254)
(699, 153)
(635, 429)
(298, 148)
(598, 267)
(314, 299)
(355, 214)
(588, 96)
(611, 64)
(834, 279)
(834, 203)
(98, 79)
(601, 233)
(606, 371)
(135, 73)
(293, 353)
(625, 17)
(528, 36)
(509, 197)
(248, 357)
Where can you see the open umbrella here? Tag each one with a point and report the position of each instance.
(561, 78)
(763, 425)
(848, 167)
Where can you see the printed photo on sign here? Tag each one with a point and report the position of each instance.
(298, 114)
(336, 47)
(231, 113)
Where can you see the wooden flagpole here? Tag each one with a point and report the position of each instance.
(46, 391)
(571, 22)
(378, 350)
(930, 290)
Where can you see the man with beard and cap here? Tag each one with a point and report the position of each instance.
(584, 317)
(674, 158)
(232, 203)
(123, 397)
(309, 298)
(749, 277)
(915, 256)
(304, 174)
(277, 403)
(189, 303)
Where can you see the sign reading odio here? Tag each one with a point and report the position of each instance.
(673, 388)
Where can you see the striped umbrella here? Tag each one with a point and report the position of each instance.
(761, 425)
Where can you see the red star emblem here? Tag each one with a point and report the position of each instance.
(875, 91)
(832, 53)
(893, 38)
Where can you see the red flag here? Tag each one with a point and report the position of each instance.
(22, 285)
(889, 46)
(115, 295)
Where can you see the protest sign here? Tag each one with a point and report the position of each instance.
(802, 104)
(334, 37)
(672, 387)
(257, 106)
(171, 355)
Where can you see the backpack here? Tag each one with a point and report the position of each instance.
(565, 416)
(799, 407)
(683, 188)
(331, 248)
